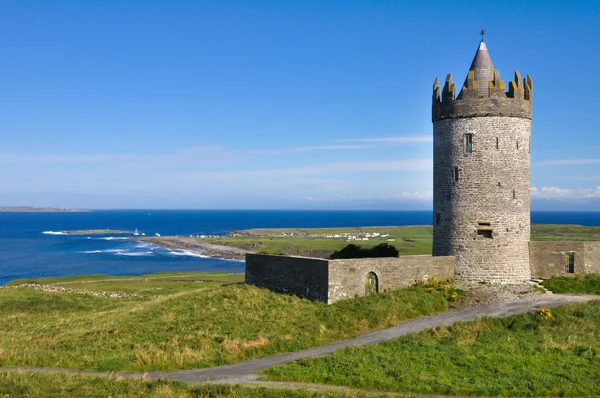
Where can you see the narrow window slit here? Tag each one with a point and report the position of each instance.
(468, 143)
(570, 262)
(485, 233)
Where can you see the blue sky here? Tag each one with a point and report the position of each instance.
(277, 104)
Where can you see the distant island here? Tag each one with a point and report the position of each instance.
(33, 209)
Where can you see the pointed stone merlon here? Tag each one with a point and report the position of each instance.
(496, 87)
(436, 91)
(471, 87)
(528, 86)
(496, 101)
(520, 89)
(448, 94)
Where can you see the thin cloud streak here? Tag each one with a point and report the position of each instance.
(417, 196)
(298, 149)
(556, 193)
(190, 155)
(184, 155)
(402, 139)
(319, 169)
(566, 162)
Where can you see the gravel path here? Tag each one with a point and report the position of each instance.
(243, 372)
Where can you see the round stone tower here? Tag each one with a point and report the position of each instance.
(481, 146)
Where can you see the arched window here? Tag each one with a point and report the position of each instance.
(372, 284)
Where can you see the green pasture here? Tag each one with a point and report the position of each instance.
(53, 385)
(588, 284)
(409, 240)
(146, 285)
(554, 353)
(183, 321)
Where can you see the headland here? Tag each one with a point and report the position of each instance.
(322, 242)
(33, 209)
(195, 244)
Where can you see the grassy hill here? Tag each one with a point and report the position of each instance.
(182, 321)
(553, 353)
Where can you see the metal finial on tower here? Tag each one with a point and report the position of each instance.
(482, 32)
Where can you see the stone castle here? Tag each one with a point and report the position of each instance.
(481, 155)
(481, 204)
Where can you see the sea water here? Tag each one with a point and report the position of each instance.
(35, 244)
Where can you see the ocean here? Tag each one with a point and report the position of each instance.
(33, 244)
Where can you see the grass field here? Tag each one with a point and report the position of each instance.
(183, 321)
(47, 385)
(589, 284)
(523, 355)
(410, 240)
(146, 285)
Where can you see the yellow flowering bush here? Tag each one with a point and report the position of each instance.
(545, 313)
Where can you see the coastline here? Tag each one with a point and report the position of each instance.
(185, 243)
(30, 209)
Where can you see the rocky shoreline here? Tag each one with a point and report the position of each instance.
(60, 289)
(183, 243)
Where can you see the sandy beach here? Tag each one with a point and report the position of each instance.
(176, 242)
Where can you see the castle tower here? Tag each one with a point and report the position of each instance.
(481, 145)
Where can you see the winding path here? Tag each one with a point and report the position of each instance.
(243, 372)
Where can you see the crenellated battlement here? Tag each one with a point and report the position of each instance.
(515, 102)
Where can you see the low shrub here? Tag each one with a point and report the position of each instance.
(355, 251)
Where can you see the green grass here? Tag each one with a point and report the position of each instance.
(53, 385)
(208, 325)
(409, 240)
(564, 232)
(589, 283)
(145, 285)
(522, 355)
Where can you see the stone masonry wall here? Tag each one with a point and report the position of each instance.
(489, 195)
(332, 280)
(301, 276)
(347, 277)
(550, 258)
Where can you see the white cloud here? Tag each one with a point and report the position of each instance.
(328, 147)
(566, 162)
(579, 178)
(402, 139)
(298, 149)
(555, 193)
(322, 169)
(403, 196)
(183, 155)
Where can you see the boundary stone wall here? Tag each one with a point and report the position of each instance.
(332, 280)
(347, 277)
(302, 276)
(550, 258)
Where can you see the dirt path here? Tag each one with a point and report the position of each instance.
(243, 372)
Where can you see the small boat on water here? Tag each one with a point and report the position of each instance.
(136, 233)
